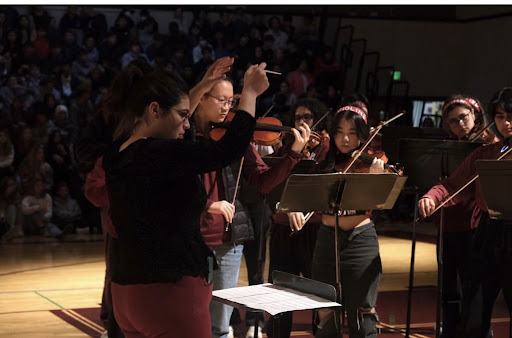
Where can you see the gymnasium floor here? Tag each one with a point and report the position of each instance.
(52, 288)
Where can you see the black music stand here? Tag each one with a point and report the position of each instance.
(426, 163)
(334, 192)
(496, 176)
(291, 284)
(249, 195)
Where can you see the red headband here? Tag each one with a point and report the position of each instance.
(356, 110)
(474, 103)
(459, 101)
(360, 104)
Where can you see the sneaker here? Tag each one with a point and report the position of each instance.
(104, 334)
(231, 333)
(250, 332)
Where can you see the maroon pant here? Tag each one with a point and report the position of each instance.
(164, 309)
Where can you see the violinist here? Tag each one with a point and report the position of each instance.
(294, 254)
(226, 225)
(360, 264)
(490, 255)
(462, 118)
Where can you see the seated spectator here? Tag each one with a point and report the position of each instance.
(198, 51)
(67, 82)
(81, 105)
(26, 142)
(66, 211)
(47, 86)
(59, 157)
(69, 47)
(26, 32)
(41, 44)
(91, 51)
(42, 127)
(6, 154)
(111, 49)
(37, 210)
(280, 37)
(81, 67)
(64, 126)
(301, 78)
(182, 19)
(134, 53)
(9, 207)
(11, 90)
(34, 167)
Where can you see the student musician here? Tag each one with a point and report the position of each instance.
(294, 254)
(463, 118)
(360, 264)
(226, 225)
(490, 264)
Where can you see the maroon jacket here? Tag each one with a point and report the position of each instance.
(257, 174)
(95, 190)
(472, 197)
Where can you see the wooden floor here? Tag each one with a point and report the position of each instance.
(38, 277)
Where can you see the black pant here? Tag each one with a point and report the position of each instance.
(456, 268)
(292, 254)
(491, 272)
(107, 308)
(361, 271)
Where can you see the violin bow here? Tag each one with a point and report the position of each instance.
(268, 111)
(365, 145)
(482, 132)
(358, 153)
(237, 184)
(320, 119)
(467, 184)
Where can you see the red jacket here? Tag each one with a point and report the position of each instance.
(95, 190)
(258, 175)
(473, 196)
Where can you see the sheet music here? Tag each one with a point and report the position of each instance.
(272, 298)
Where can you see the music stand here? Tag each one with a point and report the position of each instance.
(496, 176)
(426, 163)
(287, 293)
(249, 195)
(334, 192)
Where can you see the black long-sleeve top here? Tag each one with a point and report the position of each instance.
(156, 199)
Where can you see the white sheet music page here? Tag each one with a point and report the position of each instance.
(272, 298)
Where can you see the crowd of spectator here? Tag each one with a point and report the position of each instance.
(54, 76)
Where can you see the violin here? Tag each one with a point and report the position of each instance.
(268, 130)
(485, 135)
(364, 161)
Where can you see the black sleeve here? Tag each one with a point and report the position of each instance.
(180, 156)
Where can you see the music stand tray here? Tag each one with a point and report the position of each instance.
(288, 293)
(496, 181)
(321, 192)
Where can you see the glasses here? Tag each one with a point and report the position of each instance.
(305, 117)
(222, 102)
(185, 114)
(455, 121)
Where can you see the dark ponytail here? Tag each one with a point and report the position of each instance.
(133, 90)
